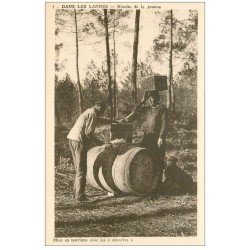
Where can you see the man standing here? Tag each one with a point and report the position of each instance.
(155, 122)
(81, 136)
(154, 126)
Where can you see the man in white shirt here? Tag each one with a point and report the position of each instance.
(80, 138)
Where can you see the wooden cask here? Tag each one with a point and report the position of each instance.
(99, 166)
(125, 168)
(121, 131)
(153, 82)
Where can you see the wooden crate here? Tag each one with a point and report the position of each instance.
(154, 82)
(121, 131)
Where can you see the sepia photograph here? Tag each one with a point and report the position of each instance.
(124, 123)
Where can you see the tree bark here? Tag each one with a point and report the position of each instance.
(57, 114)
(77, 67)
(135, 53)
(170, 87)
(108, 63)
(115, 87)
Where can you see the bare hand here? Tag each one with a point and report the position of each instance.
(144, 98)
(121, 121)
(108, 146)
(160, 143)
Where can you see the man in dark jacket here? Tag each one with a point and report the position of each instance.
(154, 126)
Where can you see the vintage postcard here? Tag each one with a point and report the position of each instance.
(124, 123)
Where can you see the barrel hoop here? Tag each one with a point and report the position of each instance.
(103, 181)
(96, 171)
(106, 159)
(93, 167)
(124, 185)
(130, 155)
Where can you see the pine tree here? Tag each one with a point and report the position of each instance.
(135, 53)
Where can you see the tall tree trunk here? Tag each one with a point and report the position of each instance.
(170, 87)
(135, 53)
(77, 67)
(57, 114)
(115, 87)
(173, 97)
(108, 63)
(170, 91)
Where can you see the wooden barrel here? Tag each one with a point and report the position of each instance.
(93, 167)
(125, 168)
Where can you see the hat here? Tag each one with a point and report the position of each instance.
(154, 93)
(101, 104)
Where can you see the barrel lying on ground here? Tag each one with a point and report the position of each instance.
(124, 168)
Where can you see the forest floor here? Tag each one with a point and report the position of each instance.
(103, 216)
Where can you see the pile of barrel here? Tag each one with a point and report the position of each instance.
(123, 169)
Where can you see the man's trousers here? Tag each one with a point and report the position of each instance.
(79, 154)
(149, 141)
